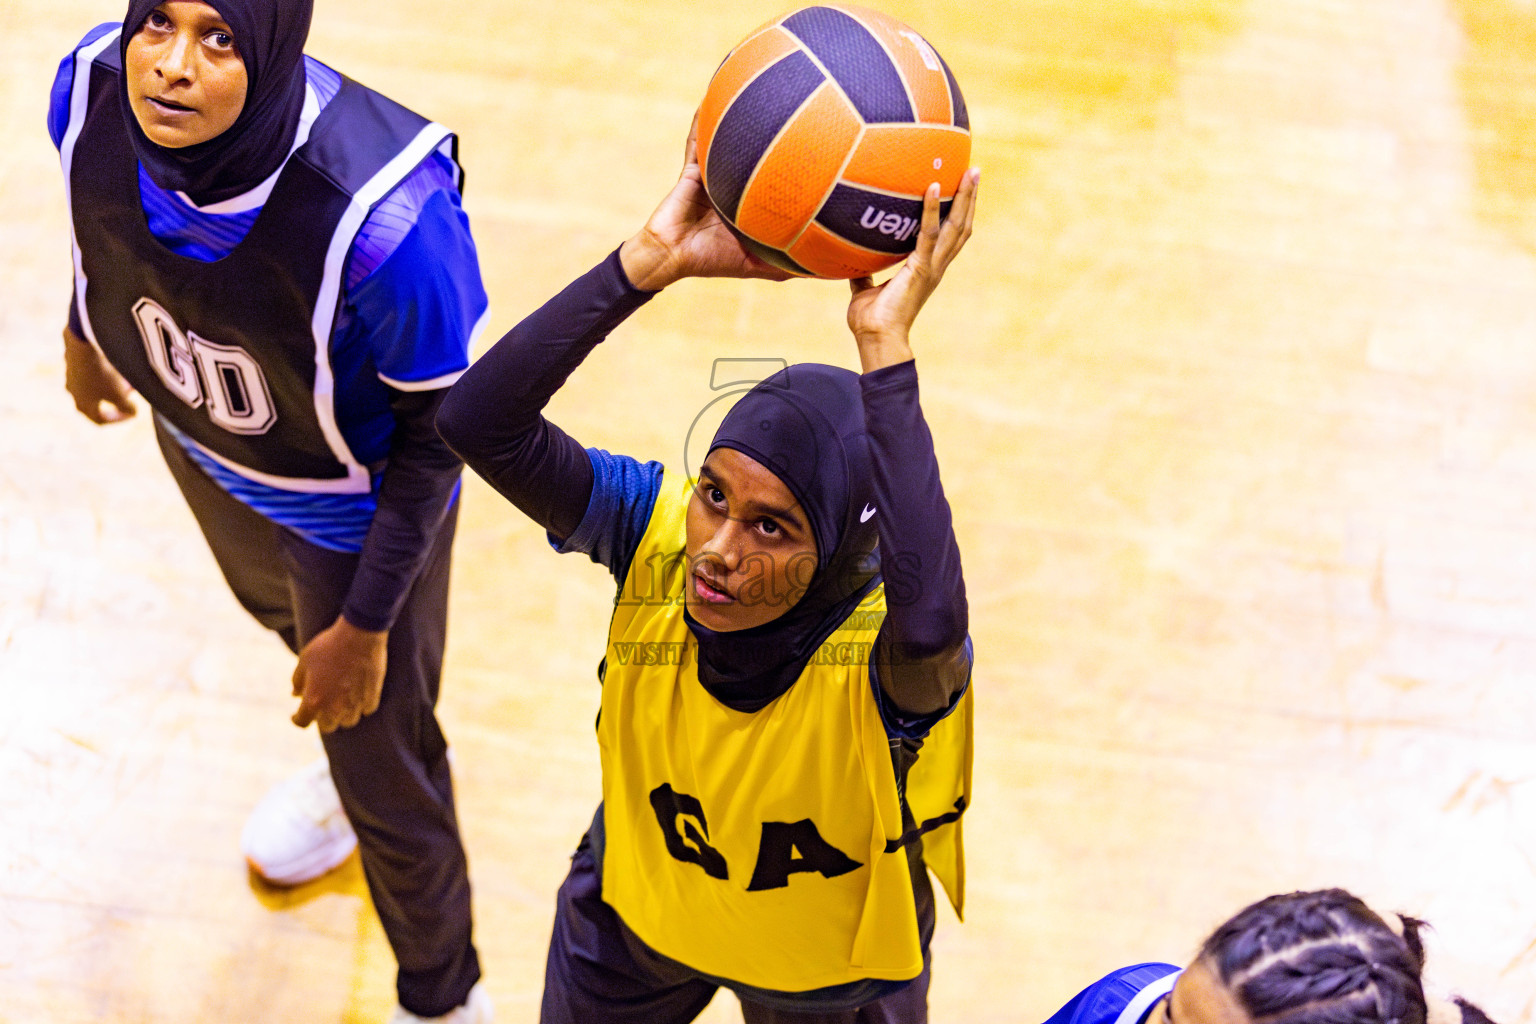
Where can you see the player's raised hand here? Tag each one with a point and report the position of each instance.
(685, 237)
(881, 316)
(340, 676)
(100, 392)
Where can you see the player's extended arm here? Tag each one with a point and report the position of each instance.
(685, 237)
(492, 416)
(921, 658)
(100, 392)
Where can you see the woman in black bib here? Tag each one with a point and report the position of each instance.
(248, 227)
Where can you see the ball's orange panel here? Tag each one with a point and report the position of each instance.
(917, 61)
(826, 255)
(745, 63)
(906, 158)
(799, 169)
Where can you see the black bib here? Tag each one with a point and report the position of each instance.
(235, 353)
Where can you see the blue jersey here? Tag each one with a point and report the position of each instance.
(1120, 997)
(411, 304)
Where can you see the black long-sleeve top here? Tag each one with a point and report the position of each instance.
(592, 501)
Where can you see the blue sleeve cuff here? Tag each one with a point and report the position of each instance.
(624, 492)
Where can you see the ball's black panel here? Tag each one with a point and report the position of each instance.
(856, 60)
(750, 125)
(874, 220)
(956, 101)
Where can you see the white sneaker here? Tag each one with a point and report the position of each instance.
(476, 1010)
(298, 831)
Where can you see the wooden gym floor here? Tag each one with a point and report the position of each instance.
(1235, 396)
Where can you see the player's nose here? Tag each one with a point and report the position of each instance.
(175, 61)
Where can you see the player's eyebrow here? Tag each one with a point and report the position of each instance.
(789, 515)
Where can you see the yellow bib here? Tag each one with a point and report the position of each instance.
(764, 847)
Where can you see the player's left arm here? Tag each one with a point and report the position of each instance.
(420, 308)
(922, 659)
(100, 393)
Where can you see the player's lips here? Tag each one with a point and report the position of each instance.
(169, 106)
(710, 591)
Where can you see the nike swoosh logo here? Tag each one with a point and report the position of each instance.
(869, 511)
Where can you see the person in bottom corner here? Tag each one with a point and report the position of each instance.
(785, 722)
(275, 258)
(1320, 957)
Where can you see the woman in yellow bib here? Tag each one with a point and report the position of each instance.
(785, 723)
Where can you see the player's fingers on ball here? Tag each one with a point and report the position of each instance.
(962, 211)
(970, 187)
(931, 206)
(931, 224)
(957, 231)
(963, 207)
(973, 189)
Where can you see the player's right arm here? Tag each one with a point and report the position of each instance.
(493, 418)
(100, 392)
(591, 502)
(685, 237)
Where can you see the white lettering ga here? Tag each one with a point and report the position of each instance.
(894, 224)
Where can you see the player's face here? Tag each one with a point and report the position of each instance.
(1199, 997)
(751, 553)
(186, 81)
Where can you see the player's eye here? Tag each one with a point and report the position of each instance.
(221, 40)
(769, 526)
(157, 19)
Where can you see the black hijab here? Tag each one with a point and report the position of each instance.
(269, 36)
(805, 424)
